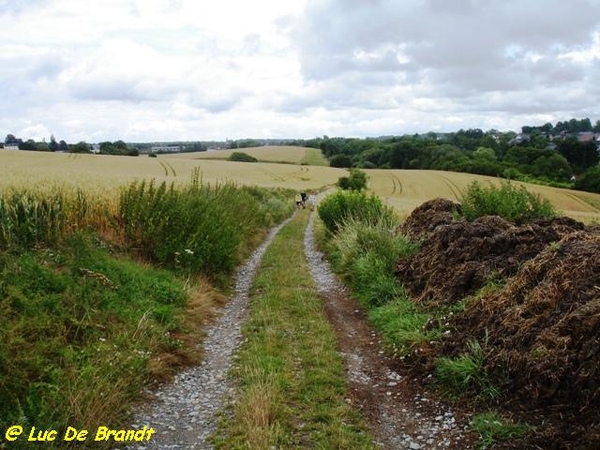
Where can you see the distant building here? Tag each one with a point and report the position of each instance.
(165, 149)
(11, 146)
(587, 136)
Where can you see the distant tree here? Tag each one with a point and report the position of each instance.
(120, 145)
(80, 147)
(485, 153)
(340, 161)
(11, 139)
(242, 157)
(357, 181)
(28, 145)
(552, 166)
(402, 153)
(63, 146)
(53, 145)
(589, 180)
(42, 146)
(581, 155)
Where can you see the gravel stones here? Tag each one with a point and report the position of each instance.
(184, 412)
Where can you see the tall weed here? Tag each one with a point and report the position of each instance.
(198, 228)
(513, 203)
(347, 205)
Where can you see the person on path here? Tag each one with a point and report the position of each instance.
(303, 195)
(312, 201)
(299, 202)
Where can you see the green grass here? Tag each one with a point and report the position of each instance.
(314, 157)
(82, 333)
(402, 325)
(467, 373)
(292, 385)
(492, 428)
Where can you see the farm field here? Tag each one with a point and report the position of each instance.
(402, 189)
(102, 172)
(272, 153)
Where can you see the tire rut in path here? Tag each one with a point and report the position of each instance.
(184, 413)
(400, 413)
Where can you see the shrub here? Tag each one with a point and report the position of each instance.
(589, 180)
(348, 205)
(357, 181)
(512, 203)
(242, 157)
(196, 229)
(366, 253)
(340, 161)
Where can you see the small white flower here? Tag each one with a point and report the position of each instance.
(188, 251)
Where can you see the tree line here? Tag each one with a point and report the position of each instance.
(554, 157)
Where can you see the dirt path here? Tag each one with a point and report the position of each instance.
(184, 411)
(400, 413)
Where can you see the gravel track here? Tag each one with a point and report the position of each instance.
(184, 412)
(400, 413)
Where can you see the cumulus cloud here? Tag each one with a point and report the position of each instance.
(182, 69)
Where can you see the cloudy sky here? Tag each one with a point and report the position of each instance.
(155, 70)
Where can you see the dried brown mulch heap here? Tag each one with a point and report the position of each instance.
(456, 258)
(540, 327)
(543, 330)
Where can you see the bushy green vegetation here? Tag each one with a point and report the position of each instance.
(513, 203)
(242, 157)
(364, 250)
(356, 181)
(81, 331)
(83, 328)
(589, 181)
(347, 205)
(199, 228)
(547, 155)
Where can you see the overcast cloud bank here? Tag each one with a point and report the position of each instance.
(151, 70)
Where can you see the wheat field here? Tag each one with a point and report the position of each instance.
(272, 153)
(407, 189)
(104, 175)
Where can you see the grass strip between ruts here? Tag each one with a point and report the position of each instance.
(291, 379)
